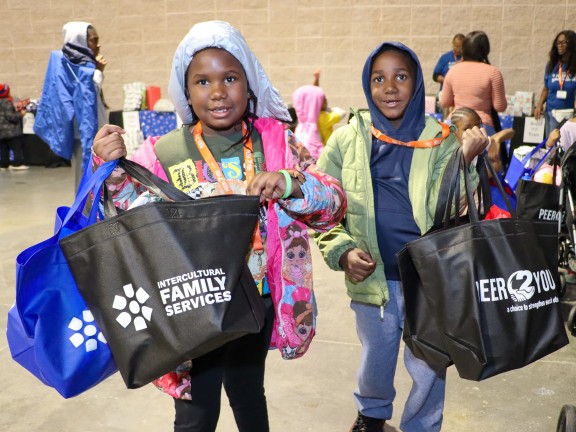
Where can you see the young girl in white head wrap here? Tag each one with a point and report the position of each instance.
(229, 106)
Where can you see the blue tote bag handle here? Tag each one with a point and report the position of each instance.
(72, 219)
(517, 168)
(91, 182)
(540, 162)
(532, 153)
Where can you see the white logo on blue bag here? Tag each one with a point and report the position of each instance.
(137, 312)
(87, 332)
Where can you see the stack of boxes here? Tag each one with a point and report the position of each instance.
(521, 104)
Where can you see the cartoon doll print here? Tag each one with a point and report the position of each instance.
(298, 315)
(297, 267)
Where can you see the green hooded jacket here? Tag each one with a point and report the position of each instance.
(347, 158)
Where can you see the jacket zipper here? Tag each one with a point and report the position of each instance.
(361, 127)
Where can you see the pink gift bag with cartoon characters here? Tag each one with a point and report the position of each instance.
(290, 280)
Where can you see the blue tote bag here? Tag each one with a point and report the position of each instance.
(51, 332)
(517, 168)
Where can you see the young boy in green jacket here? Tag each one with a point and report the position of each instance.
(390, 163)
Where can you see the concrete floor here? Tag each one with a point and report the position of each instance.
(310, 394)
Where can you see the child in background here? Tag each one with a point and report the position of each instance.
(566, 134)
(10, 132)
(329, 116)
(307, 101)
(390, 162)
(230, 108)
(465, 118)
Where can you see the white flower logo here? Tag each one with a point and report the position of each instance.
(86, 332)
(134, 301)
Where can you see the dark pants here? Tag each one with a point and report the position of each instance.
(16, 145)
(239, 365)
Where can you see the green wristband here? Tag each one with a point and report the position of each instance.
(288, 178)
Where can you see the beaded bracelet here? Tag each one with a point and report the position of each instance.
(288, 178)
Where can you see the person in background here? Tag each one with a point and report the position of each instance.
(559, 92)
(233, 118)
(72, 106)
(445, 62)
(329, 116)
(465, 118)
(475, 83)
(390, 161)
(307, 102)
(568, 134)
(10, 132)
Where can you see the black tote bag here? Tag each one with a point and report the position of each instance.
(168, 281)
(422, 336)
(540, 201)
(483, 295)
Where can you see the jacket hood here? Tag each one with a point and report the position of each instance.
(75, 47)
(76, 32)
(414, 118)
(220, 34)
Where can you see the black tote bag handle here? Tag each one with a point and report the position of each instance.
(152, 182)
(449, 195)
(450, 181)
(485, 162)
(147, 179)
(483, 157)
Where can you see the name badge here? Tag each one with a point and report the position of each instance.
(561, 94)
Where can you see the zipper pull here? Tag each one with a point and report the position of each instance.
(382, 311)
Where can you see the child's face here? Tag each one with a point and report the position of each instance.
(392, 84)
(467, 122)
(218, 90)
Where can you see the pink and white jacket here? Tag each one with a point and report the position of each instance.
(289, 274)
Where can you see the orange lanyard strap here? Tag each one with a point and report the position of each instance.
(215, 168)
(217, 171)
(560, 76)
(416, 144)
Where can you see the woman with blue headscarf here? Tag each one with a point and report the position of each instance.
(72, 107)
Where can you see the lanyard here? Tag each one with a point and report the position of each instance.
(560, 76)
(416, 144)
(456, 57)
(214, 167)
(217, 171)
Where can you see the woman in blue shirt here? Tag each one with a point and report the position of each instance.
(559, 80)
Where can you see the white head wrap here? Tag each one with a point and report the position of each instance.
(220, 34)
(76, 32)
